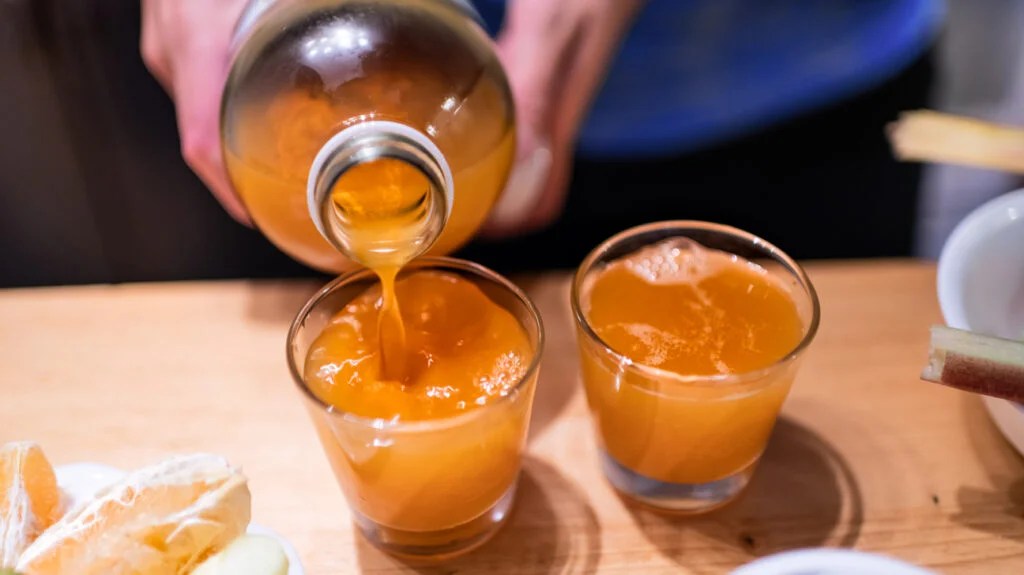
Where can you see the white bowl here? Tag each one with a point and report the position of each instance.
(81, 481)
(981, 286)
(823, 561)
(981, 269)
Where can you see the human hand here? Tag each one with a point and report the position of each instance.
(185, 45)
(555, 55)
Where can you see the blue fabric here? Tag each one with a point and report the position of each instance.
(692, 73)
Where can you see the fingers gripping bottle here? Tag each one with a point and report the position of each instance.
(366, 131)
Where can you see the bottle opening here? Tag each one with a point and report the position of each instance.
(380, 196)
(383, 209)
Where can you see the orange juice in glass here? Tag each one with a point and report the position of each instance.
(690, 336)
(428, 459)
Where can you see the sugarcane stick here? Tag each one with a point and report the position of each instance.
(976, 362)
(936, 137)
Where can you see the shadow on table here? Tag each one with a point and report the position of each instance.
(552, 529)
(998, 510)
(803, 494)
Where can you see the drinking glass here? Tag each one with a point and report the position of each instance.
(682, 442)
(432, 488)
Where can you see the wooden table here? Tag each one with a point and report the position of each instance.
(865, 455)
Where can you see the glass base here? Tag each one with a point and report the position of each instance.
(675, 498)
(436, 546)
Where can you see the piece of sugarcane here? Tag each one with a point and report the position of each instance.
(929, 136)
(976, 362)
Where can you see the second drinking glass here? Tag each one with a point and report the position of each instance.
(690, 335)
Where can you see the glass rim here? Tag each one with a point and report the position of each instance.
(435, 262)
(718, 379)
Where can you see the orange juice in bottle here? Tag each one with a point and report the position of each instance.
(390, 120)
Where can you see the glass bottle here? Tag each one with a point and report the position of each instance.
(366, 130)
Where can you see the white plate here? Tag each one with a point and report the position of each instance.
(829, 562)
(981, 286)
(81, 481)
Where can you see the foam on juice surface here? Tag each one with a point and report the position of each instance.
(682, 307)
(460, 351)
(676, 261)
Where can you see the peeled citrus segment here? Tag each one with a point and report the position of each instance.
(160, 520)
(29, 498)
(247, 555)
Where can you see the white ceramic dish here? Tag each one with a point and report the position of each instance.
(80, 481)
(981, 286)
(823, 561)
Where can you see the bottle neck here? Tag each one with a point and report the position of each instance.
(380, 192)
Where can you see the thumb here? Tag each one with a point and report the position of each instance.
(528, 186)
(527, 183)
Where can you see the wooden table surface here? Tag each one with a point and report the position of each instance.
(866, 455)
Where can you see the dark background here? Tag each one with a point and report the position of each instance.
(92, 184)
(93, 188)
